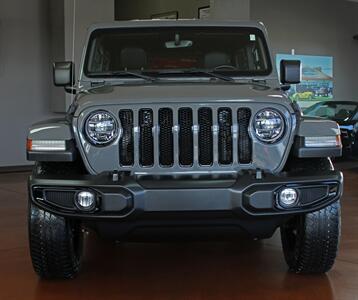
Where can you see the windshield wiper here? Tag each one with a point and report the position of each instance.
(125, 73)
(260, 83)
(193, 72)
(213, 75)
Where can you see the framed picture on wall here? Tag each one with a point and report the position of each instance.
(204, 13)
(170, 15)
(317, 79)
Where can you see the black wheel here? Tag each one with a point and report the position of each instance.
(310, 242)
(55, 245)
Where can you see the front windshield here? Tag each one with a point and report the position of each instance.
(332, 110)
(235, 51)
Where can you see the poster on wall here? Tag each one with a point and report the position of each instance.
(317, 79)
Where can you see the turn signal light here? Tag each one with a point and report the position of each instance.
(323, 141)
(29, 145)
(44, 146)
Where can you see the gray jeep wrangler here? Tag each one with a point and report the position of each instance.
(182, 128)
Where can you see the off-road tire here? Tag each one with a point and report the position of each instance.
(55, 245)
(55, 242)
(310, 242)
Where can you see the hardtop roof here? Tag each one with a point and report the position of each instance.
(176, 23)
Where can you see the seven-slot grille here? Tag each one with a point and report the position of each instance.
(185, 137)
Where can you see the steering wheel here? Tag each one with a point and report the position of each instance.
(225, 67)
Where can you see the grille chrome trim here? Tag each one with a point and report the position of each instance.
(224, 136)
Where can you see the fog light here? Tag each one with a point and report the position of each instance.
(86, 201)
(288, 197)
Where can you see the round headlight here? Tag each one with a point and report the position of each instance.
(269, 125)
(101, 128)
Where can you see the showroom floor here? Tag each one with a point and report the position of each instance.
(241, 270)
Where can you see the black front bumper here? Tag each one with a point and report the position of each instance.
(129, 204)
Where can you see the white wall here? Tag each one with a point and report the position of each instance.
(25, 74)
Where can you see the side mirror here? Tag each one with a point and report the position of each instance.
(291, 72)
(64, 74)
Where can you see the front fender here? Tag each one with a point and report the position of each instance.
(316, 127)
(52, 130)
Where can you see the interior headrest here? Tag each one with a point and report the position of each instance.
(216, 59)
(133, 58)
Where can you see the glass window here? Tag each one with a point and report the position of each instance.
(240, 51)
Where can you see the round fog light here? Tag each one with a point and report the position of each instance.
(86, 200)
(288, 197)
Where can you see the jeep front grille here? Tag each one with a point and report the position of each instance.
(185, 138)
(146, 141)
(186, 153)
(166, 146)
(127, 143)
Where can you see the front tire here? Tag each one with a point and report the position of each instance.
(310, 242)
(55, 245)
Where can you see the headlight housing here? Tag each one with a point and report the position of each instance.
(101, 128)
(269, 125)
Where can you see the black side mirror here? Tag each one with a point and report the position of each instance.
(64, 74)
(291, 72)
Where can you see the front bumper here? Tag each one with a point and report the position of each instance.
(244, 201)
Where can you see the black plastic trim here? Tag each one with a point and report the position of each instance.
(191, 200)
(301, 151)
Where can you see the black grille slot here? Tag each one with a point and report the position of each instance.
(64, 199)
(225, 136)
(126, 145)
(312, 194)
(166, 153)
(146, 144)
(205, 120)
(245, 143)
(186, 152)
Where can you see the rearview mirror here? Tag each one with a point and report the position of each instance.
(291, 72)
(181, 44)
(63, 74)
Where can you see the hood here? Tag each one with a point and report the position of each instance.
(178, 93)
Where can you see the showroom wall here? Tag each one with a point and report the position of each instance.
(230, 9)
(321, 28)
(57, 46)
(33, 34)
(86, 13)
(25, 75)
(139, 9)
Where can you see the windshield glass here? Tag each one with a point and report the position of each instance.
(236, 51)
(332, 110)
